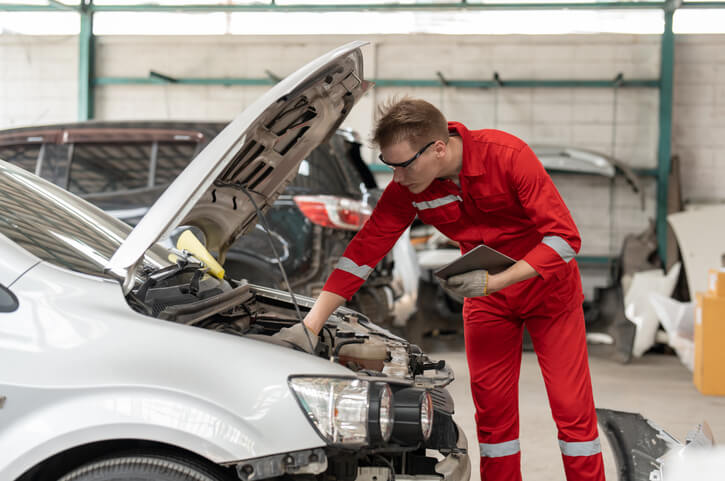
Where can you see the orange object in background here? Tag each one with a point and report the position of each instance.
(716, 282)
(709, 375)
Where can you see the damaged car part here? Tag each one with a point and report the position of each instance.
(643, 451)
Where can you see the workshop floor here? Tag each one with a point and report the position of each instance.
(656, 385)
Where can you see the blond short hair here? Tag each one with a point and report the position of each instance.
(409, 119)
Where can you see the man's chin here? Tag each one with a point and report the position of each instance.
(415, 188)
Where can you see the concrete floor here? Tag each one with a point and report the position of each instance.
(656, 385)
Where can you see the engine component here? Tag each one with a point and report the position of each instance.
(368, 355)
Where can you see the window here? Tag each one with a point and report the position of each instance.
(24, 156)
(54, 164)
(171, 159)
(109, 167)
(320, 173)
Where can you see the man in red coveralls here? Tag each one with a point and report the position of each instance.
(486, 186)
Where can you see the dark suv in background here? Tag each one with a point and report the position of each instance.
(123, 167)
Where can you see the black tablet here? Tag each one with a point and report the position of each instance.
(480, 257)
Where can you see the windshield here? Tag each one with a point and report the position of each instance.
(59, 227)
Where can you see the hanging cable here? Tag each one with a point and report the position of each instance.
(279, 263)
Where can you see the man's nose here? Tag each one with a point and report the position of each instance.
(397, 174)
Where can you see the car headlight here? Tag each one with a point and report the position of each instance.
(380, 413)
(345, 411)
(426, 416)
(413, 416)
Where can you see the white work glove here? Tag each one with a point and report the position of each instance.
(468, 284)
(296, 335)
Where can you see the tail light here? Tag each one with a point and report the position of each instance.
(332, 211)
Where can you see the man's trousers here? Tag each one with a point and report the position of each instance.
(493, 326)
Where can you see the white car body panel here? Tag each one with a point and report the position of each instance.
(14, 261)
(109, 379)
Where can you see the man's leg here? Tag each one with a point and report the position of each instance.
(493, 349)
(560, 343)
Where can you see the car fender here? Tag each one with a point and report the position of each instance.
(82, 416)
(79, 365)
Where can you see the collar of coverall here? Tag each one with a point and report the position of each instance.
(469, 166)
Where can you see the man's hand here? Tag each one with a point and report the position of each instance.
(307, 341)
(468, 284)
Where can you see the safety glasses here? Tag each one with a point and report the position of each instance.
(409, 161)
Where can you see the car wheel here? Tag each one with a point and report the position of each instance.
(144, 467)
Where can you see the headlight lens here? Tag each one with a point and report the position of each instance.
(386, 413)
(426, 416)
(380, 413)
(337, 407)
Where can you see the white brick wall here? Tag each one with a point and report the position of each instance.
(38, 80)
(698, 130)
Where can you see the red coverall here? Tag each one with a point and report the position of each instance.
(507, 201)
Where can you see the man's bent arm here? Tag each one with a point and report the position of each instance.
(323, 308)
(518, 272)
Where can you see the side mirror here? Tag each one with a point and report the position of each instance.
(8, 301)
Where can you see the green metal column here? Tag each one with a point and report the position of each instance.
(85, 64)
(665, 134)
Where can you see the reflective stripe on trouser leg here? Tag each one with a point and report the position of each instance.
(498, 450)
(493, 351)
(581, 448)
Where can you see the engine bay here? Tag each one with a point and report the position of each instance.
(185, 294)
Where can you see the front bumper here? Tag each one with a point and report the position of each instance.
(456, 466)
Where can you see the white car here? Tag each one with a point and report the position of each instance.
(121, 359)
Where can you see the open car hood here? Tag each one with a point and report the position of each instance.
(255, 157)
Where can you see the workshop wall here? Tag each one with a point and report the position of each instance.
(698, 128)
(38, 79)
(39, 85)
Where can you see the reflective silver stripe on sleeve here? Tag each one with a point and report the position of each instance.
(432, 204)
(560, 246)
(586, 448)
(499, 449)
(348, 265)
